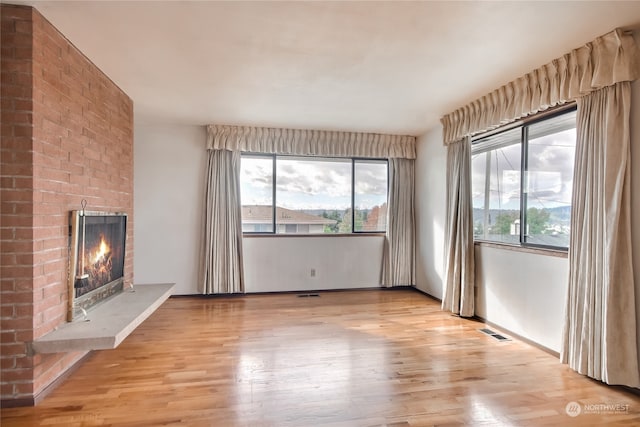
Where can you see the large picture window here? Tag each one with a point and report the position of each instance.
(522, 181)
(312, 195)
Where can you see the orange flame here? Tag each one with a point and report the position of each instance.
(103, 249)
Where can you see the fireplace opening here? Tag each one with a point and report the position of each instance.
(98, 252)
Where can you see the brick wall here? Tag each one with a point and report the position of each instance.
(16, 204)
(67, 135)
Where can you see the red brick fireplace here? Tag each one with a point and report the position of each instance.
(67, 135)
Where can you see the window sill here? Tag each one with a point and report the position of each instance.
(282, 235)
(558, 253)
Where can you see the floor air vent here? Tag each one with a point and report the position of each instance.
(494, 334)
(500, 337)
(308, 295)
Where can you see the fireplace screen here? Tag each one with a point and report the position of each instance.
(97, 259)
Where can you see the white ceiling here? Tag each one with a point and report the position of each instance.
(388, 67)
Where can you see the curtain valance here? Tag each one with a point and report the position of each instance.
(607, 60)
(310, 142)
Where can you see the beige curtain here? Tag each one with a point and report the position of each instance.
(599, 338)
(398, 267)
(459, 255)
(221, 270)
(608, 59)
(310, 142)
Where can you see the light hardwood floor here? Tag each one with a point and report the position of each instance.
(353, 358)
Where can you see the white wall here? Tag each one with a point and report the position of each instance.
(522, 292)
(430, 189)
(169, 166)
(280, 263)
(169, 169)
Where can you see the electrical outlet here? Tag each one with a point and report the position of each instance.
(313, 272)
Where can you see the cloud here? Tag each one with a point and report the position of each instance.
(256, 181)
(257, 171)
(313, 177)
(371, 178)
(554, 153)
(551, 160)
(313, 184)
(550, 172)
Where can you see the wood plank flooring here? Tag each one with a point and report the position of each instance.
(353, 358)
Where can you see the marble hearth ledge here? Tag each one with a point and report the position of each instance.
(108, 324)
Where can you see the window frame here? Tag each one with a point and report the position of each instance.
(353, 160)
(524, 169)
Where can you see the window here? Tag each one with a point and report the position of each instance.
(309, 191)
(312, 195)
(256, 193)
(496, 168)
(370, 195)
(522, 181)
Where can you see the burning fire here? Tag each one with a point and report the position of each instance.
(102, 250)
(99, 264)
